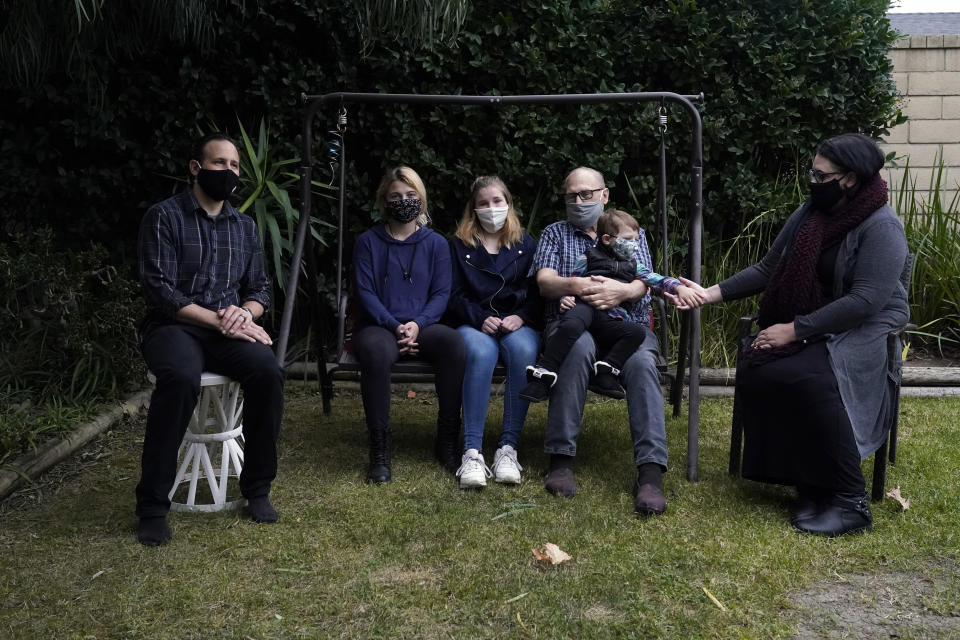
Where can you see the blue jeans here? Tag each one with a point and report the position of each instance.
(517, 349)
(641, 381)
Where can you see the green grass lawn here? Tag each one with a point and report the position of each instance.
(420, 559)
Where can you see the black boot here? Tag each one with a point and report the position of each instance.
(809, 503)
(605, 381)
(447, 448)
(839, 514)
(380, 441)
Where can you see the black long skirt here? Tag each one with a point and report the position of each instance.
(796, 429)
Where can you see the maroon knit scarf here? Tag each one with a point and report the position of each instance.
(793, 289)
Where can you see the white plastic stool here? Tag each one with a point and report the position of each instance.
(217, 419)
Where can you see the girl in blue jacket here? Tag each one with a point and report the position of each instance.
(493, 303)
(402, 271)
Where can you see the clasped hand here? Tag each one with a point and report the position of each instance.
(236, 323)
(494, 325)
(603, 293)
(407, 335)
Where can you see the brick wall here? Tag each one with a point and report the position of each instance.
(927, 73)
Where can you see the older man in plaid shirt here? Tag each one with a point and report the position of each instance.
(561, 243)
(201, 266)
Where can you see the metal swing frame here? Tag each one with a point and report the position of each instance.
(690, 325)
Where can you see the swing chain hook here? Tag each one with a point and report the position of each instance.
(662, 117)
(335, 143)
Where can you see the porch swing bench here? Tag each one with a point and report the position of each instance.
(344, 361)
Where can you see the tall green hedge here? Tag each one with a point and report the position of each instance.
(87, 159)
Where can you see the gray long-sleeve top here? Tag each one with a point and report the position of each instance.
(868, 303)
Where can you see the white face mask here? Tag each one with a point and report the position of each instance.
(492, 218)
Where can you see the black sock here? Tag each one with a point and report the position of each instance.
(153, 532)
(261, 510)
(560, 461)
(650, 473)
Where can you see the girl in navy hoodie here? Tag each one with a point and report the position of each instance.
(402, 271)
(493, 303)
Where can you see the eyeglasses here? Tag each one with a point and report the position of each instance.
(586, 195)
(818, 176)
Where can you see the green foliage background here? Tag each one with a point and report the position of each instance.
(88, 152)
(99, 111)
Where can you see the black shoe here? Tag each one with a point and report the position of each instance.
(808, 504)
(606, 381)
(153, 532)
(839, 515)
(260, 510)
(447, 447)
(539, 383)
(379, 470)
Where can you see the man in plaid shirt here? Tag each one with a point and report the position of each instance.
(201, 266)
(560, 244)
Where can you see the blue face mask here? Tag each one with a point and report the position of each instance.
(624, 249)
(584, 215)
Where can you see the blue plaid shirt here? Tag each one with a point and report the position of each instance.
(188, 257)
(560, 246)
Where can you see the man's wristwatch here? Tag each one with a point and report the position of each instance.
(247, 309)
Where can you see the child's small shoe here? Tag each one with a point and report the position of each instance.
(539, 383)
(606, 381)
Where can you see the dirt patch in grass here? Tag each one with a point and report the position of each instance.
(894, 605)
(601, 613)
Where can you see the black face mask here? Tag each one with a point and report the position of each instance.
(218, 183)
(403, 211)
(824, 195)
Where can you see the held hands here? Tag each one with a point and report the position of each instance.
(708, 296)
(234, 322)
(407, 338)
(776, 335)
(567, 303)
(688, 296)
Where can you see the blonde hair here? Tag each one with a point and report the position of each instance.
(612, 220)
(410, 178)
(469, 229)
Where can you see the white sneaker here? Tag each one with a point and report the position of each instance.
(473, 472)
(505, 466)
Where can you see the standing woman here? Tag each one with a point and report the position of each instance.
(492, 303)
(814, 382)
(402, 271)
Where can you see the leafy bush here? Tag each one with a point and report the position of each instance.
(67, 321)
(777, 79)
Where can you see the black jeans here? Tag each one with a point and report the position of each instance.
(616, 340)
(177, 354)
(376, 350)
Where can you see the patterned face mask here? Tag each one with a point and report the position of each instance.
(403, 211)
(625, 249)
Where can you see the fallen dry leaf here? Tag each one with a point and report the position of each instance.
(411, 394)
(551, 554)
(895, 494)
